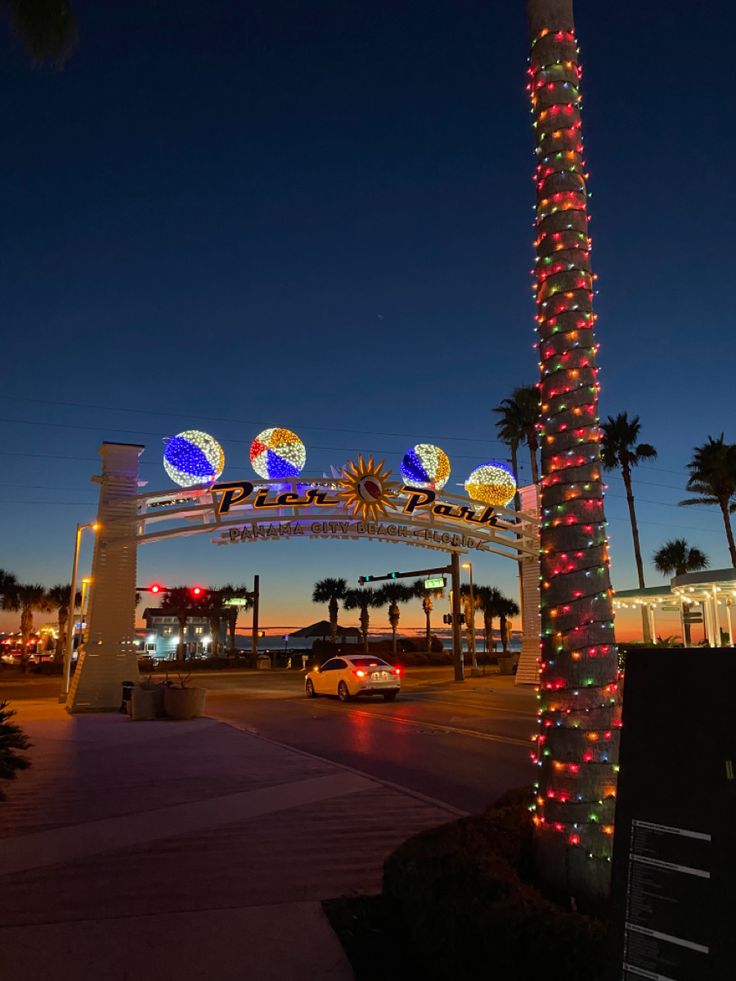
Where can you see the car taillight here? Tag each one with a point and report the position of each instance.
(396, 670)
(359, 672)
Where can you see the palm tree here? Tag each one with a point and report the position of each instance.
(506, 608)
(330, 591)
(427, 596)
(8, 583)
(468, 610)
(212, 607)
(47, 30)
(489, 600)
(361, 599)
(231, 612)
(58, 597)
(519, 423)
(676, 557)
(713, 477)
(26, 599)
(574, 549)
(392, 594)
(620, 449)
(178, 602)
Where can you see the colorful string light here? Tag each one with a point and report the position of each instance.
(425, 466)
(577, 744)
(277, 453)
(492, 483)
(193, 457)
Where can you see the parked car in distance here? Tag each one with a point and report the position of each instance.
(358, 674)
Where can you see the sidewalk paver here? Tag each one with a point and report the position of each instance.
(184, 850)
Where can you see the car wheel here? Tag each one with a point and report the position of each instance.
(342, 692)
(309, 688)
(389, 696)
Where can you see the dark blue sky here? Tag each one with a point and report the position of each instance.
(318, 215)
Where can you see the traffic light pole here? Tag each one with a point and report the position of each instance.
(457, 650)
(256, 595)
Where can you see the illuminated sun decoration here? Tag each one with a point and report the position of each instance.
(193, 457)
(366, 489)
(492, 483)
(425, 466)
(277, 453)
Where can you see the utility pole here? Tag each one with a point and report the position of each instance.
(256, 596)
(457, 650)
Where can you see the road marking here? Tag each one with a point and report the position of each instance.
(455, 730)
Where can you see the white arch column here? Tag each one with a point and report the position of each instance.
(109, 657)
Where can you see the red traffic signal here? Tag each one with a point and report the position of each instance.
(197, 591)
(155, 588)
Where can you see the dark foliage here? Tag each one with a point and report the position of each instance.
(12, 739)
(462, 901)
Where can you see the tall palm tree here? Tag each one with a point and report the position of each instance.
(392, 594)
(330, 591)
(58, 597)
(468, 611)
(489, 600)
(519, 423)
(212, 607)
(676, 557)
(178, 602)
(231, 612)
(47, 29)
(713, 477)
(621, 450)
(427, 596)
(576, 605)
(506, 608)
(361, 599)
(27, 599)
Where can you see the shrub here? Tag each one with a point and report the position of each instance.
(459, 897)
(12, 739)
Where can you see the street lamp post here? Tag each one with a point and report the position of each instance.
(469, 567)
(69, 647)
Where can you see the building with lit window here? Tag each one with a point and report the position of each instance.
(162, 635)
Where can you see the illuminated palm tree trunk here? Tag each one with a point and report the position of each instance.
(577, 746)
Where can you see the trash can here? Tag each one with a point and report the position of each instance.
(128, 687)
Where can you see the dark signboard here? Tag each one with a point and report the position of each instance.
(674, 861)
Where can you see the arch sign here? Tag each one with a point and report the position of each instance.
(359, 501)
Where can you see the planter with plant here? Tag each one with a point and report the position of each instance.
(182, 701)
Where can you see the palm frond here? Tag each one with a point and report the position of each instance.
(46, 28)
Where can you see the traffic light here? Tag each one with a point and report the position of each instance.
(393, 575)
(364, 579)
(261, 633)
(155, 588)
(447, 618)
(197, 591)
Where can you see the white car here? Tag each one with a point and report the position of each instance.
(359, 674)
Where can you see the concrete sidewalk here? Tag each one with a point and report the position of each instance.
(183, 850)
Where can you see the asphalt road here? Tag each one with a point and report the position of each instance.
(463, 744)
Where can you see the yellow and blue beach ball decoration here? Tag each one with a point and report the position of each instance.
(193, 457)
(492, 483)
(425, 466)
(277, 453)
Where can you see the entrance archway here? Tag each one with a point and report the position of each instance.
(360, 503)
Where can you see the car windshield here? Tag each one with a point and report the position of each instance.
(371, 662)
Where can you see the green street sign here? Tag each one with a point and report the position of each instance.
(437, 583)
(236, 601)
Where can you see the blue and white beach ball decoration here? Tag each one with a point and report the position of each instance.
(193, 457)
(425, 466)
